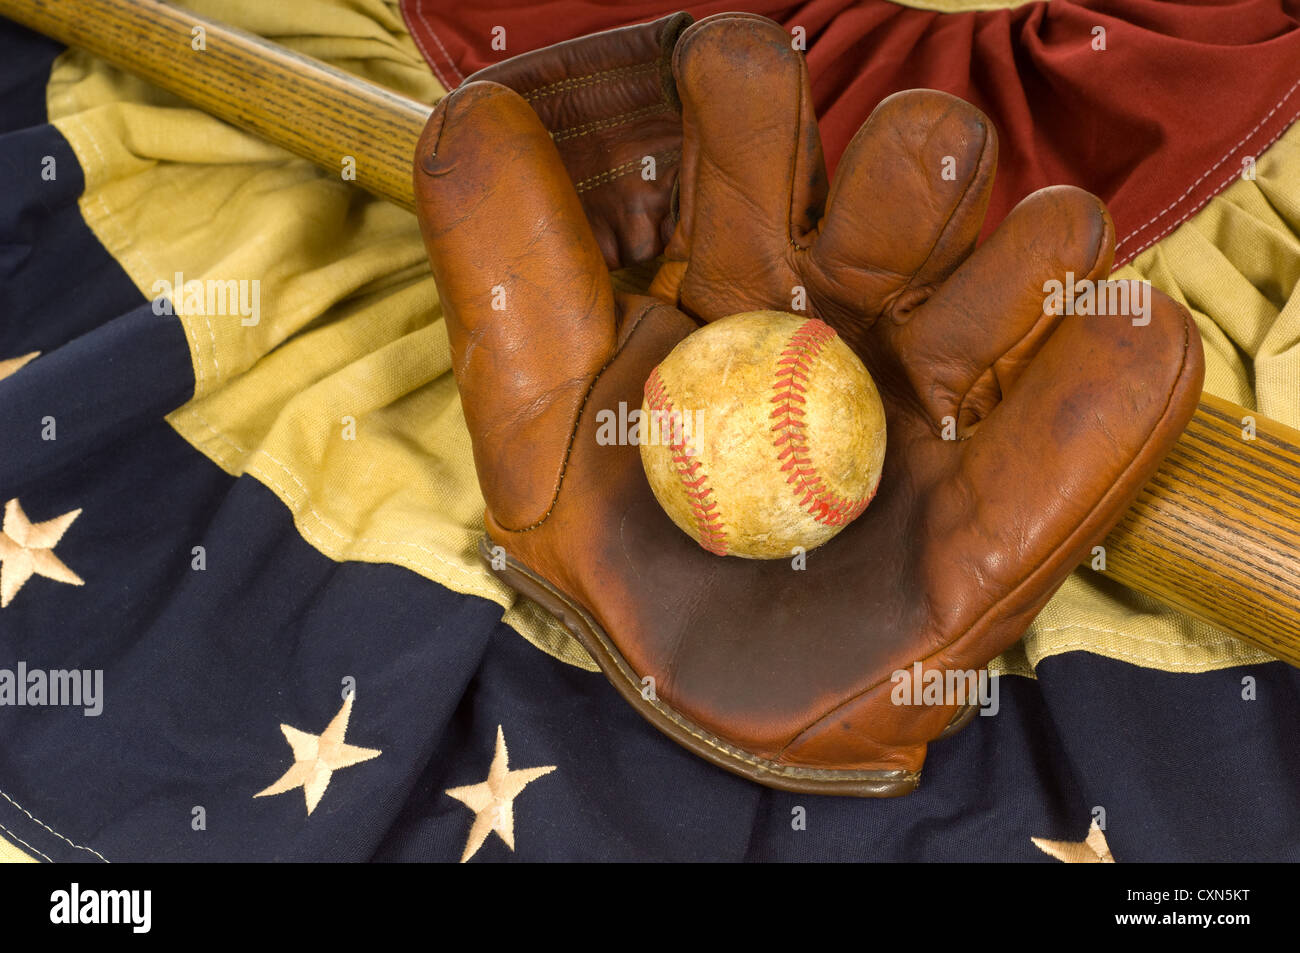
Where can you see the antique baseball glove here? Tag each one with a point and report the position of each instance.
(780, 674)
(610, 102)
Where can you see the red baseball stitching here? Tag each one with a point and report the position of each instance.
(695, 482)
(790, 437)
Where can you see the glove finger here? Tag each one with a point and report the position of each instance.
(527, 299)
(969, 343)
(908, 200)
(753, 180)
(1057, 462)
(610, 103)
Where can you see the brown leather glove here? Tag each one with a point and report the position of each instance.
(777, 674)
(610, 103)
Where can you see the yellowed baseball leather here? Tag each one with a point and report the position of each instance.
(762, 433)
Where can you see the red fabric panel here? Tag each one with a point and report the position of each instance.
(1155, 124)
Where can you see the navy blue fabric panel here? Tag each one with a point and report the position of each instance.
(1186, 767)
(25, 60)
(56, 279)
(202, 666)
(623, 792)
(144, 502)
(88, 394)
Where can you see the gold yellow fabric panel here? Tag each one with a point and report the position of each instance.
(10, 854)
(1235, 266)
(340, 397)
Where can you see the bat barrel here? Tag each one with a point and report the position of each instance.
(1216, 532)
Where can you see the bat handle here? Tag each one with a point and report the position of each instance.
(338, 121)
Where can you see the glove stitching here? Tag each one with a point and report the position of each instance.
(587, 128)
(573, 431)
(801, 86)
(1095, 272)
(938, 240)
(603, 178)
(588, 79)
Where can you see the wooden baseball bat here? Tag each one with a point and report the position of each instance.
(1215, 534)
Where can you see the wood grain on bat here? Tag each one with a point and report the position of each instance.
(306, 106)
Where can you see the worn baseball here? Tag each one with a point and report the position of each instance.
(762, 433)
